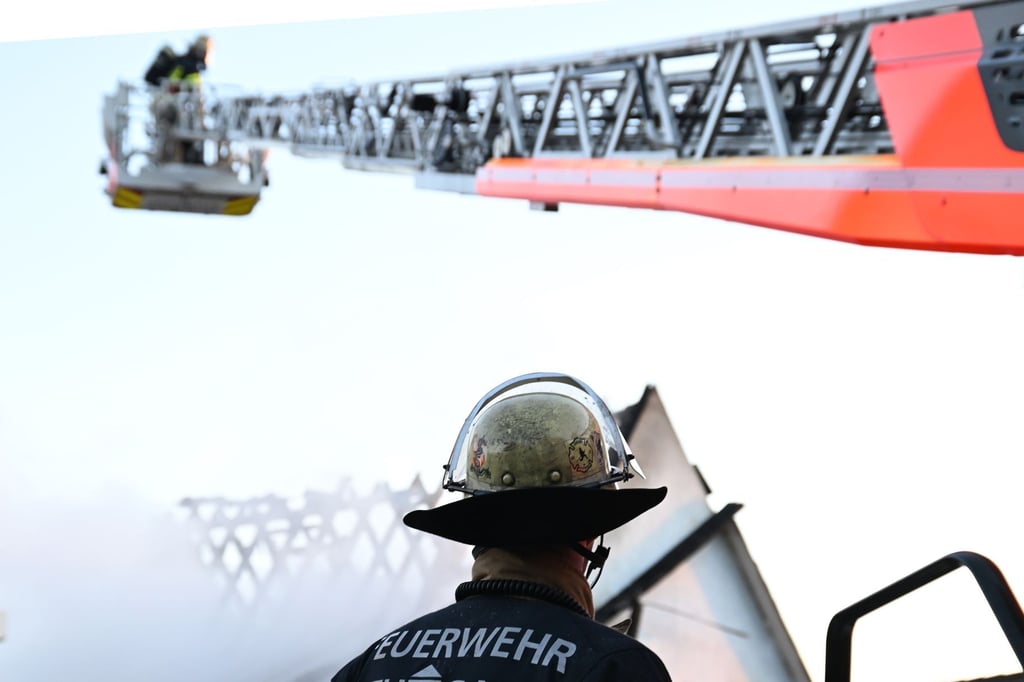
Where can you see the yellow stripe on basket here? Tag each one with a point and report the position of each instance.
(239, 205)
(126, 198)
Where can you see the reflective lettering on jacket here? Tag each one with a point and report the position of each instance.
(506, 641)
(428, 674)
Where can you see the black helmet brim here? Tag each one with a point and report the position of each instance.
(535, 516)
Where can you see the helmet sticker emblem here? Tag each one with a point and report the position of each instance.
(477, 464)
(581, 455)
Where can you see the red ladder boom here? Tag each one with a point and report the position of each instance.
(951, 88)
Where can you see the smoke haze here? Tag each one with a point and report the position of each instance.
(116, 590)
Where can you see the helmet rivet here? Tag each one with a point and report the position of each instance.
(555, 476)
(507, 478)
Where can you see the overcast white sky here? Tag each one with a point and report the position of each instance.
(863, 403)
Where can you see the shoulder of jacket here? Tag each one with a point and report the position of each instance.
(631, 661)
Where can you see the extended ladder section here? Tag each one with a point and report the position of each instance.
(796, 89)
(900, 125)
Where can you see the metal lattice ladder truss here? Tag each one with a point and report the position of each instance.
(804, 88)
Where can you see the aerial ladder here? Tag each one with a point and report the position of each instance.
(899, 126)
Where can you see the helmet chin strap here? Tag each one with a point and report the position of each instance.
(595, 557)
